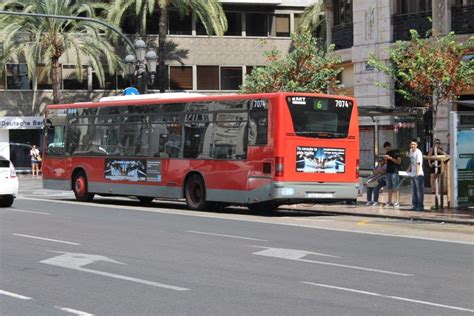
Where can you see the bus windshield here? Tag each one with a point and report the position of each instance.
(320, 117)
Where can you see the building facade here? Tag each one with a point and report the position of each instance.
(196, 62)
(210, 64)
(359, 28)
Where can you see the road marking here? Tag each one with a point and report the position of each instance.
(48, 239)
(229, 236)
(21, 297)
(25, 211)
(291, 254)
(75, 261)
(240, 218)
(73, 311)
(297, 255)
(389, 296)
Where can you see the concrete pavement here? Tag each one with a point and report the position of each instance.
(403, 212)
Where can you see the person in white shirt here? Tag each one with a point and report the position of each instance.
(35, 159)
(417, 176)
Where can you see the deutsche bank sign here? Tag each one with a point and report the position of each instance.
(25, 122)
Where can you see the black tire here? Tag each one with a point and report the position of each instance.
(195, 193)
(6, 201)
(145, 200)
(263, 207)
(81, 188)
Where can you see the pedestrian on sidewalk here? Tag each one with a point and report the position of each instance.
(417, 176)
(35, 156)
(375, 183)
(393, 159)
(435, 165)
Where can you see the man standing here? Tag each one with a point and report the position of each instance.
(417, 176)
(393, 160)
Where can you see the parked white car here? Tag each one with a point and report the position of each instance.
(8, 182)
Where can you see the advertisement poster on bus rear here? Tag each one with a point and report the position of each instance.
(320, 159)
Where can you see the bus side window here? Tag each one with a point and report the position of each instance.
(258, 127)
(55, 139)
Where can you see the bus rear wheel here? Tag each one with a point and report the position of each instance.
(195, 193)
(80, 188)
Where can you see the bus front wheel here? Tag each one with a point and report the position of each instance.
(80, 188)
(195, 193)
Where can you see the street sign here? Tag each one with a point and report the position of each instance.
(131, 91)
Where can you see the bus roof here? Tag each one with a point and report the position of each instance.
(171, 95)
(155, 98)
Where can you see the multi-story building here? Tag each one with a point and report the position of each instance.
(359, 28)
(211, 64)
(208, 64)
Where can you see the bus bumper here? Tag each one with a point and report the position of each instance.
(297, 192)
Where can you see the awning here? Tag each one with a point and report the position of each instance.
(374, 110)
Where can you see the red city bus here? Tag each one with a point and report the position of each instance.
(258, 150)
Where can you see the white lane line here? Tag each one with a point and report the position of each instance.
(356, 267)
(21, 297)
(25, 211)
(48, 239)
(242, 218)
(73, 311)
(221, 235)
(391, 297)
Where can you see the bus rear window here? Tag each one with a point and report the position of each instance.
(320, 117)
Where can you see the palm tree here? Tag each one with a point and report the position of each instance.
(40, 40)
(313, 18)
(210, 12)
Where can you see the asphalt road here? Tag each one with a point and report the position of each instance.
(114, 257)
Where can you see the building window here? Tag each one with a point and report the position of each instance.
(410, 6)
(234, 24)
(342, 12)
(2, 80)
(110, 82)
(17, 77)
(256, 24)
(231, 78)
(179, 25)
(280, 25)
(297, 20)
(44, 82)
(207, 77)
(181, 78)
(70, 78)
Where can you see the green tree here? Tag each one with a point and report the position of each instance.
(430, 71)
(306, 68)
(44, 41)
(209, 12)
(314, 20)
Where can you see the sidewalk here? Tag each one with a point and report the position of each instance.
(442, 216)
(404, 212)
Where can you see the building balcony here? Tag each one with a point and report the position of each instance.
(343, 36)
(462, 17)
(403, 23)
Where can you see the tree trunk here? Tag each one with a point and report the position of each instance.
(163, 30)
(55, 71)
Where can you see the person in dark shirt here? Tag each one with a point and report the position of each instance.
(393, 160)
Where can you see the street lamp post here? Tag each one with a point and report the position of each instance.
(143, 67)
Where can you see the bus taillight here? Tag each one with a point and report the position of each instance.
(279, 166)
(357, 168)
